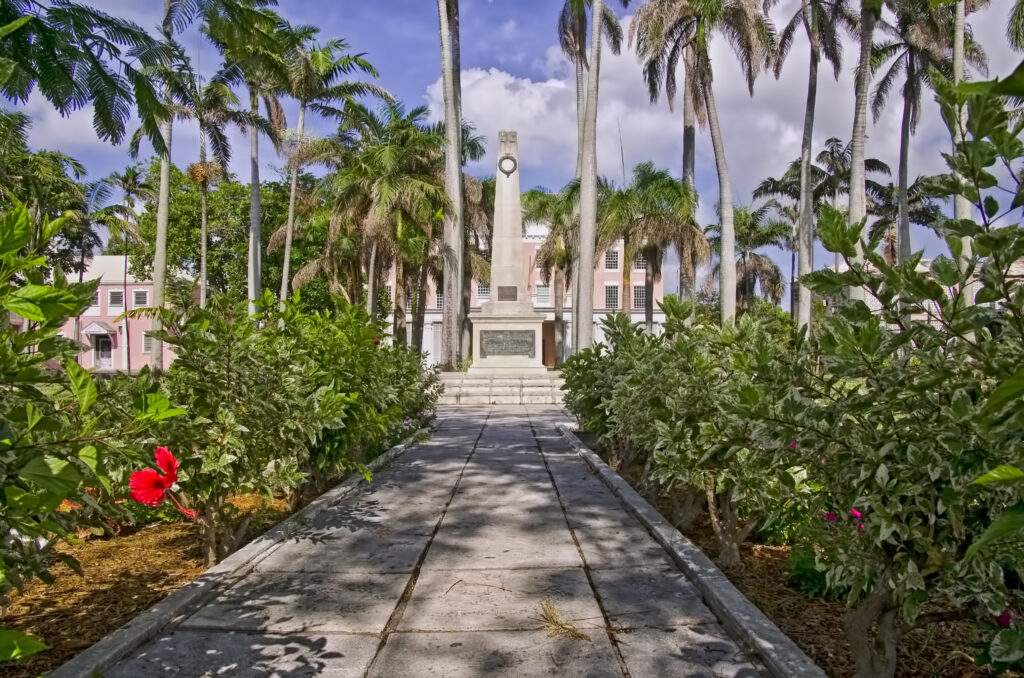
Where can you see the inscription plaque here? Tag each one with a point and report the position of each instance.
(510, 293)
(508, 342)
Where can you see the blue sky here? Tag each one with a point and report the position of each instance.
(515, 77)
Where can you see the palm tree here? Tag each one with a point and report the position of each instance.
(313, 75)
(754, 230)
(454, 237)
(923, 40)
(857, 211)
(889, 209)
(821, 20)
(651, 214)
(388, 191)
(253, 52)
(134, 188)
(572, 36)
(555, 255)
(213, 107)
(668, 28)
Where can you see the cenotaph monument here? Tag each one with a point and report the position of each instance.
(507, 331)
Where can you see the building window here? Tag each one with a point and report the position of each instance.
(95, 299)
(147, 343)
(640, 263)
(483, 291)
(611, 296)
(440, 301)
(543, 295)
(611, 260)
(115, 299)
(639, 296)
(140, 298)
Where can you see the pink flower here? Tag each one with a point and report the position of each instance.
(831, 517)
(793, 445)
(861, 526)
(855, 513)
(150, 488)
(1005, 618)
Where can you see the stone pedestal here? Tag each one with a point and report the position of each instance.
(507, 331)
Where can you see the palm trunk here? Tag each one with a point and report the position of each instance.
(466, 345)
(627, 277)
(581, 105)
(160, 254)
(858, 197)
(420, 315)
(794, 247)
(689, 153)
(255, 238)
(649, 257)
(453, 240)
(559, 291)
(127, 326)
(805, 224)
(961, 205)
(290, 227)
(588, 187)
(400, 336)
(203, 223)
(371, 283)
(727, 263)
(903, 231)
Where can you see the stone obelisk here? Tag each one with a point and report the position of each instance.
(507, 331)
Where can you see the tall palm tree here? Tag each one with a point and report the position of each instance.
(134, 189)
(454, 237)
(213, 107)
(253, 52)
(572, 37)
(668, 28)
(923, 41)
(754, 230)
(857, 210)
(313, 74)
(821, 21)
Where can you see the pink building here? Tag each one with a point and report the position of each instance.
(115, 345)
(608, 297)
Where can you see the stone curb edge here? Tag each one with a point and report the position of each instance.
(175, 607)
(779, 654)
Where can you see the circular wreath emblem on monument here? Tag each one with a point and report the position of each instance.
(507, 164)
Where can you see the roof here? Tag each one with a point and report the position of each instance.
(109, 268)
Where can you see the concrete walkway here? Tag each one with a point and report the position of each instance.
(489, 550)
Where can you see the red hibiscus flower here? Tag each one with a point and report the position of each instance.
(150, 488)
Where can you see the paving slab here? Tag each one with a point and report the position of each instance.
(495, 654)
(290, 602)
(495, 600)
(213, 653)
(444, 564)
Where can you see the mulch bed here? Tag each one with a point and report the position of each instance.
(124, 575)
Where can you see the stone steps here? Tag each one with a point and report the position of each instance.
(461, 388)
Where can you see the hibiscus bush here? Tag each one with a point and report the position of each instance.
(896, 426)
(59, 437)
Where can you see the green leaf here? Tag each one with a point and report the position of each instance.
(1007, 647)
(82, 385)
(18, 645)
(41, 303)
(15, 230)
(52, 474)
(1001, 474)
(14, 25)
(1010, 390)
(945, 271)
(991, 206)
(1009, 521)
